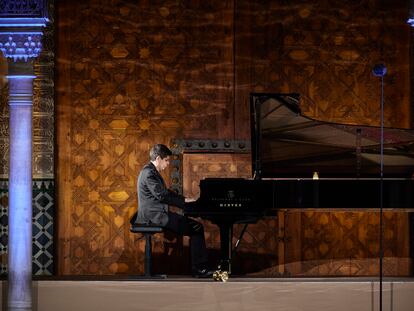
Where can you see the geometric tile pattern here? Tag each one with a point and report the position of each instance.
(20, 8)
(329, 238)
(42, 227)
(340, 244)
(3, 226)
(326, 52)
(122, 97)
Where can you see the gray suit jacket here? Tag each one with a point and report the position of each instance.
(154, 197)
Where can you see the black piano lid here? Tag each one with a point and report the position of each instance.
(285, 143)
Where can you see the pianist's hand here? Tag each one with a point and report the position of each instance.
(188, 200)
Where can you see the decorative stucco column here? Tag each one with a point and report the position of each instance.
(20, 42)
(20, 186)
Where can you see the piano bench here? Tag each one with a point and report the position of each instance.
(147, 231)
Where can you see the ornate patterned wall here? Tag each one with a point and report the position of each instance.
(43, 143)
(3, 226)
(26, 8)
(4, 119)
(131, 74)
(43, 96)
(326, 51)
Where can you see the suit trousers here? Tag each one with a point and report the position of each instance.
(182, 225)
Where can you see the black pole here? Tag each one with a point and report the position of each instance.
(381, 250)
(379, 71)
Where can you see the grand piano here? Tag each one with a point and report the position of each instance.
(300, 163)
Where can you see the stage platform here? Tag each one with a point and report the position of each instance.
(238, 294)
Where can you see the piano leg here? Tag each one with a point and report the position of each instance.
(226, 235)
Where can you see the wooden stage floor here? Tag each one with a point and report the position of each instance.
(183, 293)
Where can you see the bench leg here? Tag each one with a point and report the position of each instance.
(148, 254)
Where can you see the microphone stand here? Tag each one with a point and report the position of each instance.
(379, 71)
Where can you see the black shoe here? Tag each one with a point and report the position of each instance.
(202, 273)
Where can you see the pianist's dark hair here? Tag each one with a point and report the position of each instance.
(159, 150)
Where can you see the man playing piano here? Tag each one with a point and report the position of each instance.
(153, 201)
